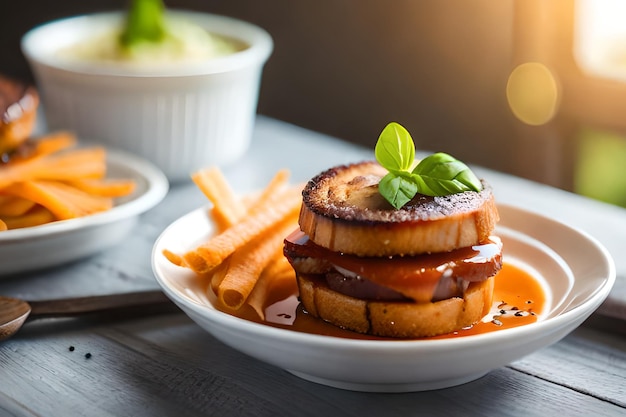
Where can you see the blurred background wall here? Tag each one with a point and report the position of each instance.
(440, 68)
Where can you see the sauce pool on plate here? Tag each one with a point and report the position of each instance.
(518, 300)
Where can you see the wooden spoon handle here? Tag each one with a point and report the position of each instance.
(112, 303)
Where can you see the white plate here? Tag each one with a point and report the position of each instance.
(576, 270)
(38, 247)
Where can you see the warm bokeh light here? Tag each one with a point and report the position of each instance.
(533, 93)
(600, 37)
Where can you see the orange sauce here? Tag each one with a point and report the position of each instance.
(518, 299)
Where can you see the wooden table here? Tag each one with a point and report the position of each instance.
(165, 365)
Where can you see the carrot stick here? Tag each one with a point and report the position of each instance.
(247, 263)
(81, 163)
(64, 201)
(46, 145)
(37, 216)
(260, 218)
(104, 187)
(277, 183)
(214, 186)
(277, 281)
(173, 257)
(218, 275)
(11, 206)
(227, 208)
(53, 143)
(221, 221)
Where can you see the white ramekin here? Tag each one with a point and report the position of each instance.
(180, 117)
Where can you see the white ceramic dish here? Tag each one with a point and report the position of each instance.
(180, 116)
(33, 248)
(576, 270)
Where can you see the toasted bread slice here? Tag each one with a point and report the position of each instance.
(343, 211)
(395, 319)
(18, 110)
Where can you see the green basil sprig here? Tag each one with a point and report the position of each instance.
(145, 22)
(438, 174)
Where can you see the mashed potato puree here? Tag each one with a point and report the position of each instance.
(184, 42)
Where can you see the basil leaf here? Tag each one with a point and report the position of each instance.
(431, 162)
(145, 22)
(444, 175)
(436, 175)
(395, 149)
(397, 189)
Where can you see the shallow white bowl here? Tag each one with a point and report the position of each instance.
(576, 270)
(38, 247)
(180, 117)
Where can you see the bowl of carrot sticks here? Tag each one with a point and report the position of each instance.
(62, 199)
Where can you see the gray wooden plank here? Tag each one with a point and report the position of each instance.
(167, 365)
(588, 360)
(10, 407)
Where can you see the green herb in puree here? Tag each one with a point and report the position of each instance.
(150, 35)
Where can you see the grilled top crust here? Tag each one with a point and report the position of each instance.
(343, 211)
(18, 108)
